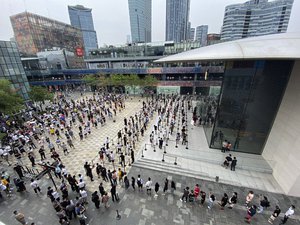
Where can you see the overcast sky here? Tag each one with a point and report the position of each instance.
(111, 17)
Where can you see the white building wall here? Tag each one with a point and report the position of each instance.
(283, 146)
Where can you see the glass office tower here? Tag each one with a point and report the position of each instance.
(177, 20)
(140, 20)
(249, 100)
(11, 67)
(81, 18)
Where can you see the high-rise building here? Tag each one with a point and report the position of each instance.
(201, 34)
(255, 18)
(192, 34)
(82, 18)
(140, 20)
(11, 67)
(34, 33)
(177, 18)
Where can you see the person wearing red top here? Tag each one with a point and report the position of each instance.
(196, 190)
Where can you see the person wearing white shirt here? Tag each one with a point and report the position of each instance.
(149, 186)
(83, 195)
(81, 184)
(288, 213)
(34, 184)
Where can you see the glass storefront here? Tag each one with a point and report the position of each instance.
(250, 96)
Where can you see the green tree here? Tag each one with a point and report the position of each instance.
(97, 81)
(38, 94)
(10, 100)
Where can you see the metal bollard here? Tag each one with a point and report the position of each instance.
(142, 153)
(163, 159)
(165, 151)
(175, 163)
(186, 147)
(145, 147)
(154, 149)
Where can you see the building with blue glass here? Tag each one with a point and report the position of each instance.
(81, 18)
(177, 20)
(140, 20)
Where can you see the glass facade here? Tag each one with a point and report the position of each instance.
(250, 96)
(11, 67)
(34, 33)
(177, 19)
(140, 20)
(81, 18)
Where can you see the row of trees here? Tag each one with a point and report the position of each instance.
(11, 102)
(115, 80)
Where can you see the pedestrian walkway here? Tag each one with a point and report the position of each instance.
(197, 160)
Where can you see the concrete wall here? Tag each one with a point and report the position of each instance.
(283, 146)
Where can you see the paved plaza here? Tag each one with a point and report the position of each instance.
(195, 164)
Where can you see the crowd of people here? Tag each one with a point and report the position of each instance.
(61, 126)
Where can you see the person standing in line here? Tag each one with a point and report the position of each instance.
(32, 159)
(105, 200)
(233, 200)
(148, 186)
(122, 160)
(233, 164)
(132, 156)
(264, 203)
(126, 182)
(65, 149)
(42, 153)
(185, 195)
(211, 200)
(34, 184)
(96, 199)
(203, 197)
(98, 169)
(104, 174)
(133, 183)
(287, 214)
(249, 198)
(224, 201)
(196, 191)
(173, 186)
(274, 215)
(140, 183)
(89, 172)
(250, 213)
(113, 192)
(166, 186)
(83, 195)
(156, 188)
(20, 217)
(101, 189)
